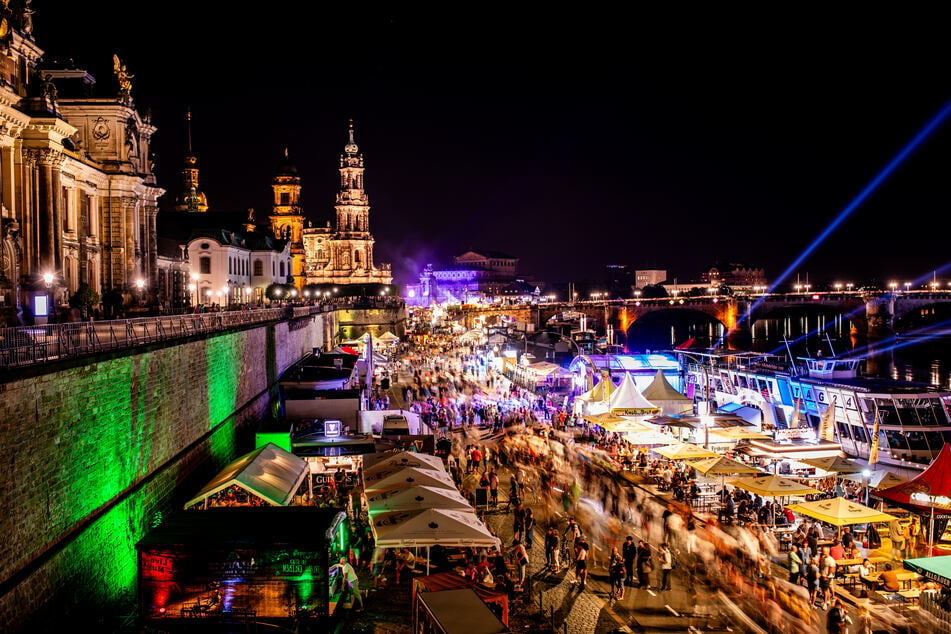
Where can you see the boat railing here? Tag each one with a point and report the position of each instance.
(32, 345)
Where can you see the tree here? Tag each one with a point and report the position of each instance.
(653, 291)
(84, 298)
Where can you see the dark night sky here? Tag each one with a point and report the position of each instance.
(570, 140)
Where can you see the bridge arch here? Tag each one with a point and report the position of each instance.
(660, 327)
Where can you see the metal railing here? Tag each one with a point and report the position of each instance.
(31, 345)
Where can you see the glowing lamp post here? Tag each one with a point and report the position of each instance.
(140, 285)
(191, 293)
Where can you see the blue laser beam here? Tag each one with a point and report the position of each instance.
(858, 310)
(883, 346)
(885, 172)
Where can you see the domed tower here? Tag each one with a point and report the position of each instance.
(353, 206)
(287, 221)
(191, 199)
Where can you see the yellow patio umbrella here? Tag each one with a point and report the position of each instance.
(772, 486)
(650, 437)
(685, 451)
(738, 433)
(722, 465)
(880, 479)
(835, 464)
(840, 512)
(615, 423)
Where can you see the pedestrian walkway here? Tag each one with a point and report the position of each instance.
(592, 611)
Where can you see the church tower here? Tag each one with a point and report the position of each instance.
(192, 199)
(287, 221)
(353, 208)
(344, 255)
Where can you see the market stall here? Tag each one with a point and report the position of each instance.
(267, 476)
(442, 581)
(399, 477)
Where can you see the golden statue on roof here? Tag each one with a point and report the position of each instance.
(123, 76)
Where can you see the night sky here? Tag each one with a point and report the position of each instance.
(569, 140)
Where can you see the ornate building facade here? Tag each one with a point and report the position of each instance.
(76, 185)
(344, 254)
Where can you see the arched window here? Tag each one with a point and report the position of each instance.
(204, 265)
(282, 268)
(285, 198)
(258, 267)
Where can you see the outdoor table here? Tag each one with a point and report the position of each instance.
(905, 577)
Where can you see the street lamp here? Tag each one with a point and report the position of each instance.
(140, 284)
(893, 285)
(907, 286)
(192, 294)
(848, 286)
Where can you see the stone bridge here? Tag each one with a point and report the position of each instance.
(873, 314)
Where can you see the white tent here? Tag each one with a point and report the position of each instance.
(373, 463)
(595, 400)
(627, 400)
(269, 472)
(400, 477)
(388, 337)
(415, 498)
(431, 527)
(662, 394)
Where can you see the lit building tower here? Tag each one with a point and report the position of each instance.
(287, 221)
(344, 254)
(192, 199)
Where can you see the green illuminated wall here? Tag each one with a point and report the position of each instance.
(92, 453)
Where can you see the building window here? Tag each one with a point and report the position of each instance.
(258, 267)
(285, 198)
(204, 265)
(230, 267)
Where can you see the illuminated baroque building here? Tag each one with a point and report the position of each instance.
(76, 185)
(343, 255)
(473, 276)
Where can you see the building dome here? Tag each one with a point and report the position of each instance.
(286, 168)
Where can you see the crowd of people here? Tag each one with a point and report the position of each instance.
(577, 485)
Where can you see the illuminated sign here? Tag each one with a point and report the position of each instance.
(41, 306)
(157, 567)
(930, 500)
(332, 428)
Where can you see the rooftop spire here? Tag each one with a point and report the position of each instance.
(351, 147)
(285, 152)
(188, 131)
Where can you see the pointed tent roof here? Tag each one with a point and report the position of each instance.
(374, 463)
(772, 486)
(600, 392)
(269, 472)
(431, 527)
(406, 477)
(414, 498)
(722, 466)
(835, 464)
(388, 337)
(685, 451)
(880, 479)
(661, 390)
(933, 481)
(840, 512)
(628, 400)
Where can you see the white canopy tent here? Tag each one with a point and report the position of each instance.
(373, 463)
(400, 477)
(269, 472)
(431, 527)
(627, 400)
(662, 394)
(595, 400)
(415, 498)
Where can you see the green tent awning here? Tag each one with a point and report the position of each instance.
(934, 568)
